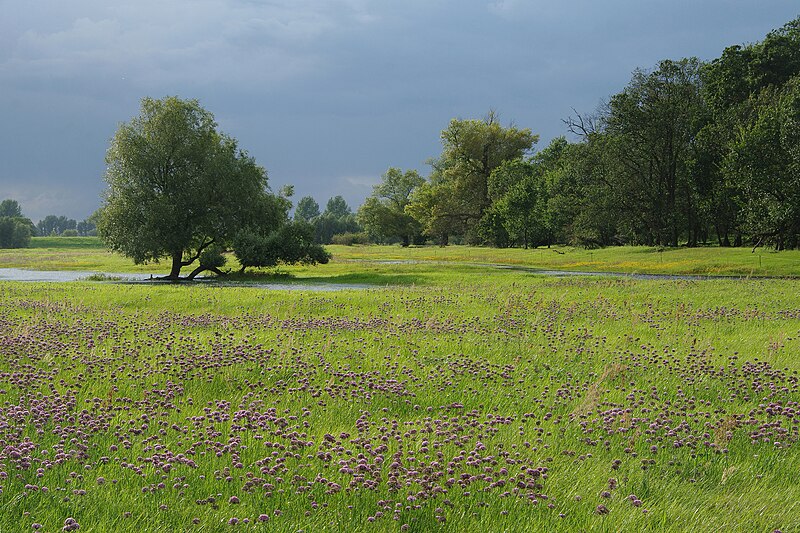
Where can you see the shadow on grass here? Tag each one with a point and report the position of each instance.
(351, 278)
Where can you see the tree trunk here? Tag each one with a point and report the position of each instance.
(177, 264)
(202, 268)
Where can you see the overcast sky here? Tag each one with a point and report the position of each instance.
(325, 94)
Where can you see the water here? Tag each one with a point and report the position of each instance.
(18, 274)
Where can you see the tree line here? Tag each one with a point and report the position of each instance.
(689, 152)
(16, 229)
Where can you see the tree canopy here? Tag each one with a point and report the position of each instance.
(10, 208)
(307, 209)
(383, 214)
(686, 153)
(178, 189)
(457, 195)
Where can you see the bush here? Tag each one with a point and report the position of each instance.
(69, 233)
(212, 257)
(349, 238)
(292, 243)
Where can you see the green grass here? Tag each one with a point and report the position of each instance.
(626, 259)
(364, 264)
(466, 371)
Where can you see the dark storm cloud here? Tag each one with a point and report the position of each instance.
(325, 94)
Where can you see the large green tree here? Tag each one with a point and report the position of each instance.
(457, 196)
(176, 186)
(732, 87)
(383, 213)
(764, 161)
(651, 127)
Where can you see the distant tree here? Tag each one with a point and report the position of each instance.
(15, 232)
(383, 214)
(53, 225)
(177, 186)
(307, 209)
(337, 218)
(337, 207)
(10, 208)
(86, 228)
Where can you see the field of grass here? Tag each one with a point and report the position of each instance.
(713, 261)
(451, 398)
(88, 253)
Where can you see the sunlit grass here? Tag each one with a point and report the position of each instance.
(357, 264)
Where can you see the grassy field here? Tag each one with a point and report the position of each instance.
(626, 259)
(451, 398)
(88, 253)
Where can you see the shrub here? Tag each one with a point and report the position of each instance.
(349, 238)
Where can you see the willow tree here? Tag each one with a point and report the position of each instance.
(176, 186)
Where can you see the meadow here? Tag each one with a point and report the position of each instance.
(88, 253)
(447, 396)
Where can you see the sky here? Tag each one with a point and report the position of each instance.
(325, 94)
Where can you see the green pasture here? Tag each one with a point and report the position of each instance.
(624, 259)
(447, 396)
(88, 253)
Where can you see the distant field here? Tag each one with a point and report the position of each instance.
(88, 253)
(629, 259)
(70, 253)
(450, 397)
